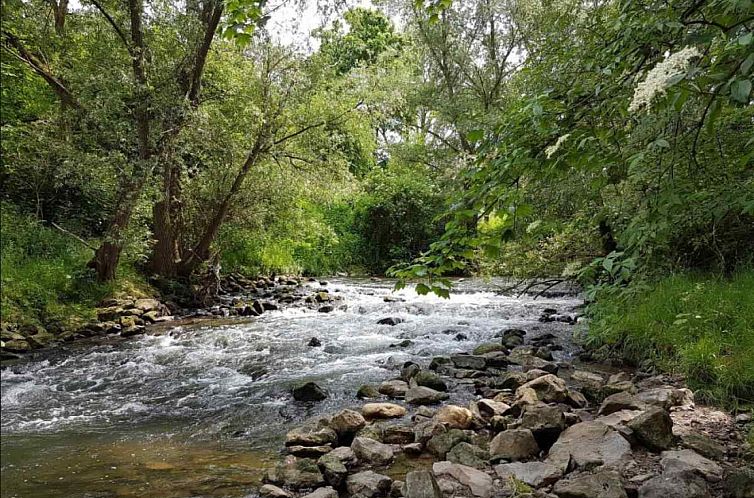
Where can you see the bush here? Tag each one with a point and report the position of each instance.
(696, 324)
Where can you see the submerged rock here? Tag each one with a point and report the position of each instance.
(309, 392)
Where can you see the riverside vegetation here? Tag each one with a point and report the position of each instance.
(158, 157)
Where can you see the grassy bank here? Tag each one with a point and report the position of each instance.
(44, 275)
(698, 325)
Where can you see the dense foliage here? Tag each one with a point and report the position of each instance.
(609, 142)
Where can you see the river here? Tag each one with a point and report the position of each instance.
(201, 409)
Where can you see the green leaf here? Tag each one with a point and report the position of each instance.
(422, 289)
(740, 90)
(475, 135)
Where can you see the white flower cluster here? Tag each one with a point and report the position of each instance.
(660, 78)
(554, 148)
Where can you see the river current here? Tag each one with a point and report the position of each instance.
(200, 409)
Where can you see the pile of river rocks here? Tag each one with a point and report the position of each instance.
(129, 316)
(536, 428)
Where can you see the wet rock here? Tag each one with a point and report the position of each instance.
(382, 410)
(372, 431)
(460, 337)
(346, 423)
(496, 359)
(620, 401)
(438, 361)
(703, 445)
(535, 474)
(489, 408)
(514, 444)
(421, 484)
(398, 434)
(691, 461)
(424, 396)
(403, 344)
(367, 391)
(424, 431)
(309, 392)
(16, 346)
(548, 389)
(467, 361)
(477, 482)
(676, 485)
(587, 445)
(441, 444)
(270, 491)
(653, 428)
(509, 380)
(512, 338)
(372, 452)
(322, 297)
(392, 321)
(409, 370)
(393, 388)
(309, 451)
(327, 308)
(132, 330)
(546, 422)
(311, 436)
(314, 342)
(430, 379)
(488, 347)
(295, 473)
(605, 484)
(326, 492)
(368, 484)
(739, 482)
(333, 469)
(469, 455)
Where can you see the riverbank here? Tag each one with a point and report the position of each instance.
(535, 427)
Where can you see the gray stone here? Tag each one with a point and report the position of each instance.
(476, 481)
(675, 485)
(326, 492)
(295, 473)
(546, 422)
(311, 436)
(620, 401)
(393, 388)
(689, 460)
(605, 484)
(368, 484)
(548, 389)
(441, 444)
(467, 361)
(347, 422)
(309, 451)
(424, 396)
(430, 379)
(270, 491)
(514, 444)
(367, 391)
(398, 434)
(372, 452)
(421, 484)
(703, 445)
(469, 455)
(587, 445)
(653, 428)
(307, 392)
(535, 474)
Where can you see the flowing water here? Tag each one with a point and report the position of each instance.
(201, 409)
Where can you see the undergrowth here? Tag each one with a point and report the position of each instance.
(696, 324)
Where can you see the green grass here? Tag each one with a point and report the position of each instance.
(45, 279)
(699, 325)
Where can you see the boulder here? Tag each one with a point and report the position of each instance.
(326, 492)
(393, 388)
(509, 380)
(587, 445)
(382, 410)
(347, 423)
(311, 436)
(314, 342)
(477, 482)
(703, 445)
(372, 452)
(455, 416)
(535, 474)
(467, 361)
(489, 408)
(514, 444)
(548, 388)
(421, 484)
(333, 466)
(368, 484)
(488, 347)
(469, 455)
(620, 401)
(424, 431)
(147, 304)
(392, 321)
(295, 473)
(439, 361)
(398, 434)
(409, 371)
(653, 428)
(527, 361)
(546, 422)
(675, 485)
(420, 395)
(442, 443)
(604, 484)
(691, 461)
(429, 379)
(366, 392)
(270, 491)
(309, 392)
(666, 397)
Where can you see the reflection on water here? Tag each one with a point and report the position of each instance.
(200, 411)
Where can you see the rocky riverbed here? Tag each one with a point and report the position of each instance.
(378, 394)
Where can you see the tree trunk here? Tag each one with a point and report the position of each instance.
(166, 216)
(107, 256)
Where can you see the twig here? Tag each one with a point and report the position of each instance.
(71, 234)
